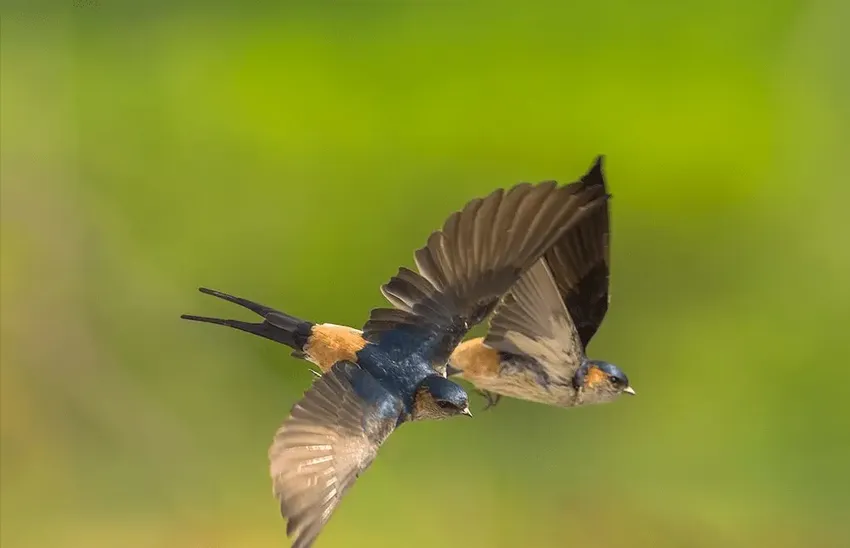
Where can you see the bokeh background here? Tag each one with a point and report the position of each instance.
(298, 155)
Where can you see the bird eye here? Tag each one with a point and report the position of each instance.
(444, 405)
(614, 380)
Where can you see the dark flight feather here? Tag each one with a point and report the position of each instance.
(579, 262)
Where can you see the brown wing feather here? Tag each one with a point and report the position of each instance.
(469, 265)
(532, 321)
(329, 439)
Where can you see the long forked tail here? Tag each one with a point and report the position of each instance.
(276, 325)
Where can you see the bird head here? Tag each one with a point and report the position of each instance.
(602, 382)
(439, 398)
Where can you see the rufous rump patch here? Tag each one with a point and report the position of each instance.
(330, 343)
(475, 359)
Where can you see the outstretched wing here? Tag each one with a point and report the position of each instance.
(579, 262)
(329, 439)
(532, 321)
(470, 264)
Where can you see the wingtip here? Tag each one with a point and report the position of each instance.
(595, 175)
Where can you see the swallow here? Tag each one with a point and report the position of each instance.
(394, 370)
(537, 338)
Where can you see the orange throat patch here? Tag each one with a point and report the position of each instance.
(594, 376)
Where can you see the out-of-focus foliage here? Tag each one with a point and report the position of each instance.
(298, 156)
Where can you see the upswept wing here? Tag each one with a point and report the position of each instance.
(468, 265)
(532, 321)
(580, 261)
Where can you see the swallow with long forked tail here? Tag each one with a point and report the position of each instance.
(394, 370)
(556, 309)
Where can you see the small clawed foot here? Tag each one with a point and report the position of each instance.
(492, 399)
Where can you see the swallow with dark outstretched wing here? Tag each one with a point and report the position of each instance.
(324, 344)
(535, 347)
(394, 371)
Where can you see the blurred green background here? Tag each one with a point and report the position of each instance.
(297, 156)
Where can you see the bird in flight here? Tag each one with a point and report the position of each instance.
(394, 370)
(537, 338)
(535, 348)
